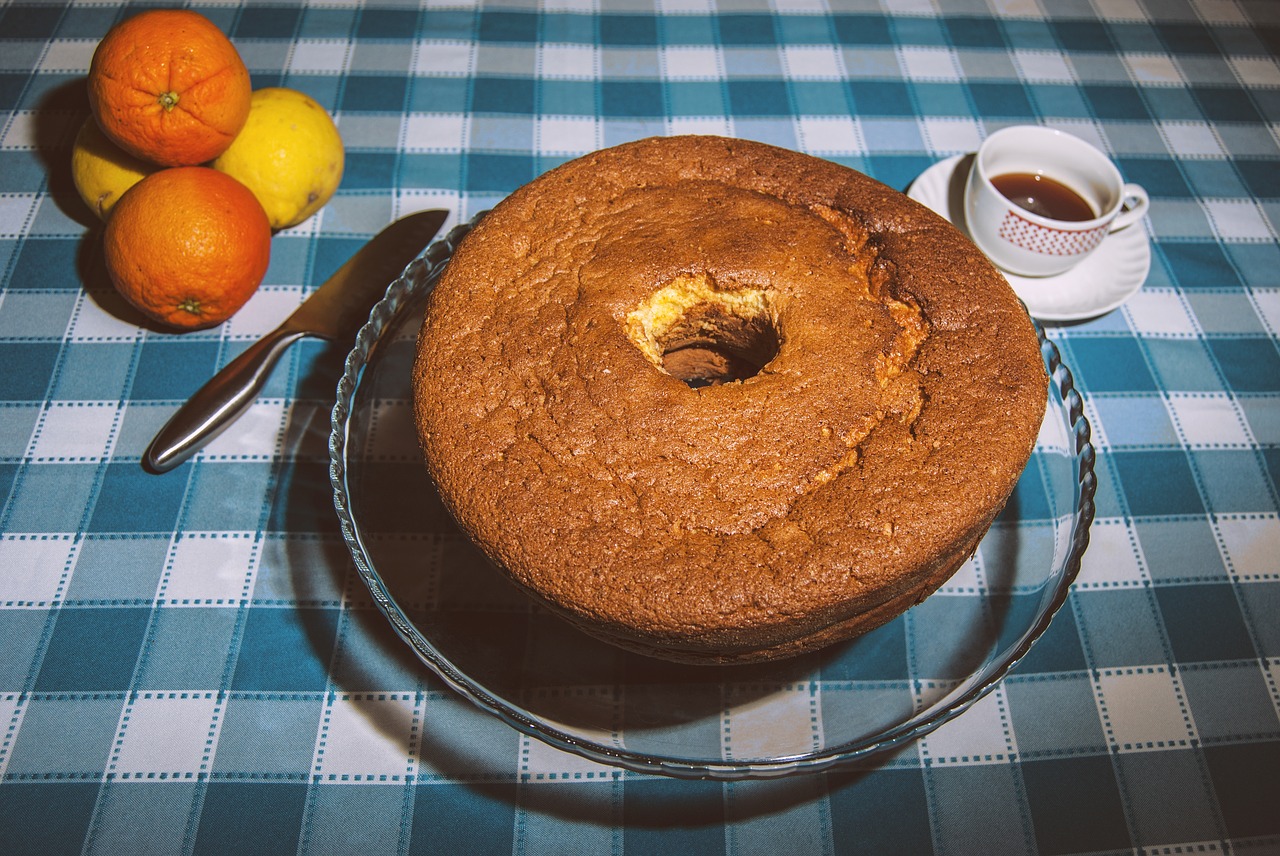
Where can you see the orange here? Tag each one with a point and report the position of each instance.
(168, 87)
(187, 246)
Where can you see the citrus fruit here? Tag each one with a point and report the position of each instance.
(187, 246)
(101, 170)
(289, 154)
(168, 87)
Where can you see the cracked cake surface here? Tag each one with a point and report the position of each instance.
(717, 401)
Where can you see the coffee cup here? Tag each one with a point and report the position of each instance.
(1039, 201)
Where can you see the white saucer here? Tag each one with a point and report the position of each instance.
(1100, 283)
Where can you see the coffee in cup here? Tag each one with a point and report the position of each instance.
(1039, 201)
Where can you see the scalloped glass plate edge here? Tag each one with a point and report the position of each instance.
(416, 281)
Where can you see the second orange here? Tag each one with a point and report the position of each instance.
(169, 87)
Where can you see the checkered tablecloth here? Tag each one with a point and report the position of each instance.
(190, 664)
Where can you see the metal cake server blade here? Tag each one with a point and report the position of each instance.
(334, 312)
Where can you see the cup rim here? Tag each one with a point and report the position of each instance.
(1113, 173)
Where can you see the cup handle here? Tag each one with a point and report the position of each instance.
(1136, 203)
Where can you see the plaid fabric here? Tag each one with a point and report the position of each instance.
(191, 664)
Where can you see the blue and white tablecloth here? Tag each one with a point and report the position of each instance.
(191, 665)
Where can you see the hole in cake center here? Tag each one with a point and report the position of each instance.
(709, 346)
(704, 334)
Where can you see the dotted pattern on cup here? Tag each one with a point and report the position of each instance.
(1046, 240)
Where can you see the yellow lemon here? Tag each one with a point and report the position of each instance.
(289, 153)
(101, 170)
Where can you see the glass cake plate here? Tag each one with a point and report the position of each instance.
(846, 703)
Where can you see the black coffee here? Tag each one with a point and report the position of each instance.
(1044, 196)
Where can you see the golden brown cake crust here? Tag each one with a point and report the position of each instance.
(758, 518)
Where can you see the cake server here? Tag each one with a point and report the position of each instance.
(334, 312)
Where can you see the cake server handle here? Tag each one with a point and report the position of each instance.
(218, 403)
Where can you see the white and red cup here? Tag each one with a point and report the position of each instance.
(1024, 242)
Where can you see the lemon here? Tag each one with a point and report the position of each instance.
(289, 153)
(101, 170)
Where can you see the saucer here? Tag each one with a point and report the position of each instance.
(1100, 283)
